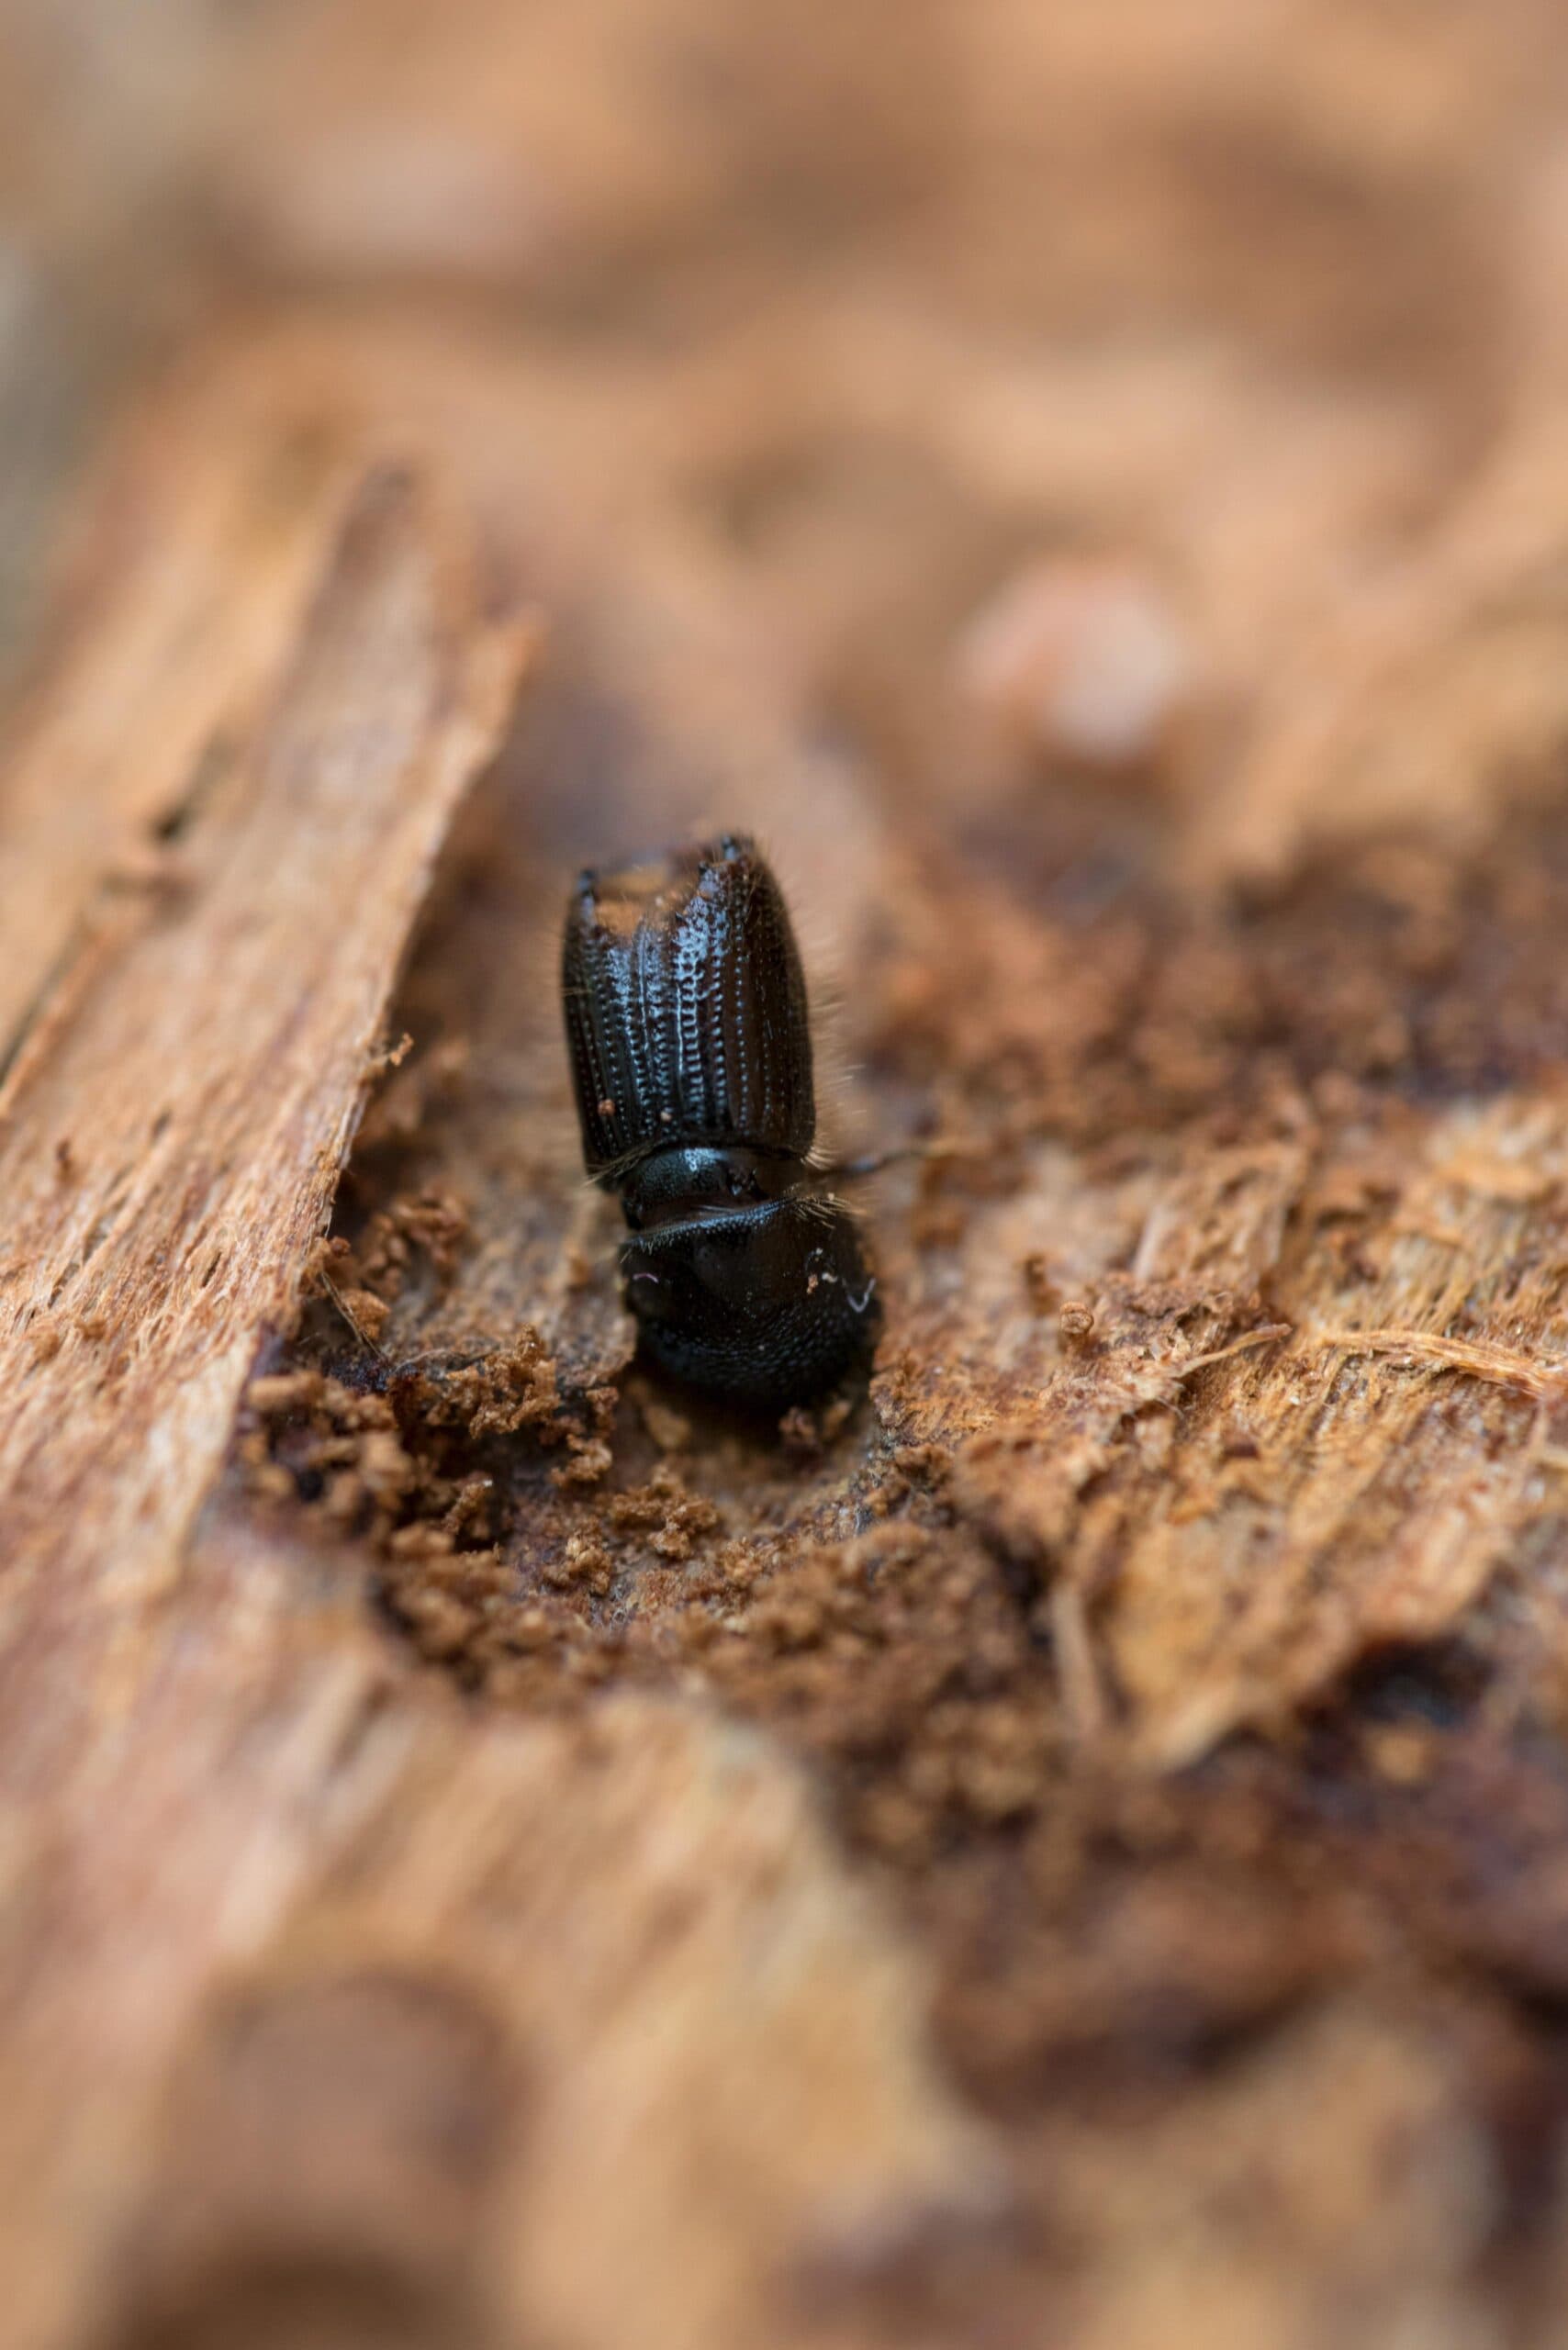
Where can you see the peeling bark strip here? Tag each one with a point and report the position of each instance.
(185, 588)
(168, 1145)
(173, 1131)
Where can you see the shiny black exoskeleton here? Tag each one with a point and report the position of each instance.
(691, 1052)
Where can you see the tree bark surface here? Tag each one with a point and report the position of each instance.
(1063, 1842)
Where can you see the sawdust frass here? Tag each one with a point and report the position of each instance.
(1138, 1830)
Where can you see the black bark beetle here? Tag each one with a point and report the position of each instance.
(690, 1048)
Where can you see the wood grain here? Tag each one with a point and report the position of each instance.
(185, 577)
(320, 2000)
(176, 1119)
(173, 1127)
(1067, 1845)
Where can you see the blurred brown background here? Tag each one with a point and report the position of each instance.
(1255, 303)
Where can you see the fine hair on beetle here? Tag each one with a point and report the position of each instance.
(689, 1039)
